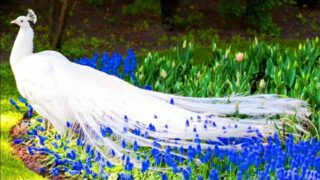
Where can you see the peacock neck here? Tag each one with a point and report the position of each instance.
(23, 45)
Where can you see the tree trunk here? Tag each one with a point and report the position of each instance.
(52, 18)
(168, 9)
(56, 43)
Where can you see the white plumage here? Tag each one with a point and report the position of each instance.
(62, 91)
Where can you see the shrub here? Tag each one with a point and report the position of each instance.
(256, 11)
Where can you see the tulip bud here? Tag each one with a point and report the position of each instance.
(184, 45)
(163, 74)
(237, 108)
(198, 75)
(239, 57)
(262, 85)
(140, 76)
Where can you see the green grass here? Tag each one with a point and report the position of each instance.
(11, 166)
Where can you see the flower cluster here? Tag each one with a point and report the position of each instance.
(272, 158)
(112, 64)
(258, 157)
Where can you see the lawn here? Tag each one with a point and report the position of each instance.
(11, 166)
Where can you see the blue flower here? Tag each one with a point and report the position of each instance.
(135, 146)
(79, 141)
(42, 170)
(72, 155)
(30, 111)
(110, 165)
(197, 139)
(164, 176)
(41, 129)
(88, 148)
(74, 172)
(30, 151)
(152, 127)
(145, 166)
(137, 131)
(187, 123)
(98, 157)
(191, 153)
(104, 59)
(34, 132)
(87, 169)
(148, 87)
(77, 165)
(155, 152)
(68, 124)
(66, 168)
(123, 176)
(146, 134)
(207, 156)
(57, 137)
(55, 171)
(94, 175)
(194, 129)
(17, 141)
(128, 165)
(42, 139)
(113, 153)
(109, 131)
(91, 153)
(30, 133)
(214, 124)
(172, 101)
(125, 118)
(56, 155)
(13, 103)
(23, 101)
(123, 143)
(213, 175)
(186, 174)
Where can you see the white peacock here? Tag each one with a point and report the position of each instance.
(61, 91)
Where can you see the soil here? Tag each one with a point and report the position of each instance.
(145, 30)
(32, 162)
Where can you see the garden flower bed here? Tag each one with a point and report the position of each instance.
(289, 154)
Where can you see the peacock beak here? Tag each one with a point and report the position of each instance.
(13, 22)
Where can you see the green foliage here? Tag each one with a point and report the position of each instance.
(256, 11)
(194, 18)
(141, 6)
(6, 41)
(233, 8)
(75, 47)
(95, 3)
(290, 72)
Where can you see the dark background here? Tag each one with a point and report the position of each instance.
(80, 27)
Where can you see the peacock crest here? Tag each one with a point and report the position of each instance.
(32, 16)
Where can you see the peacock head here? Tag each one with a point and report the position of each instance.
(23, 21)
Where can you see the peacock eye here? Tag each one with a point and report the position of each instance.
(21, 21)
